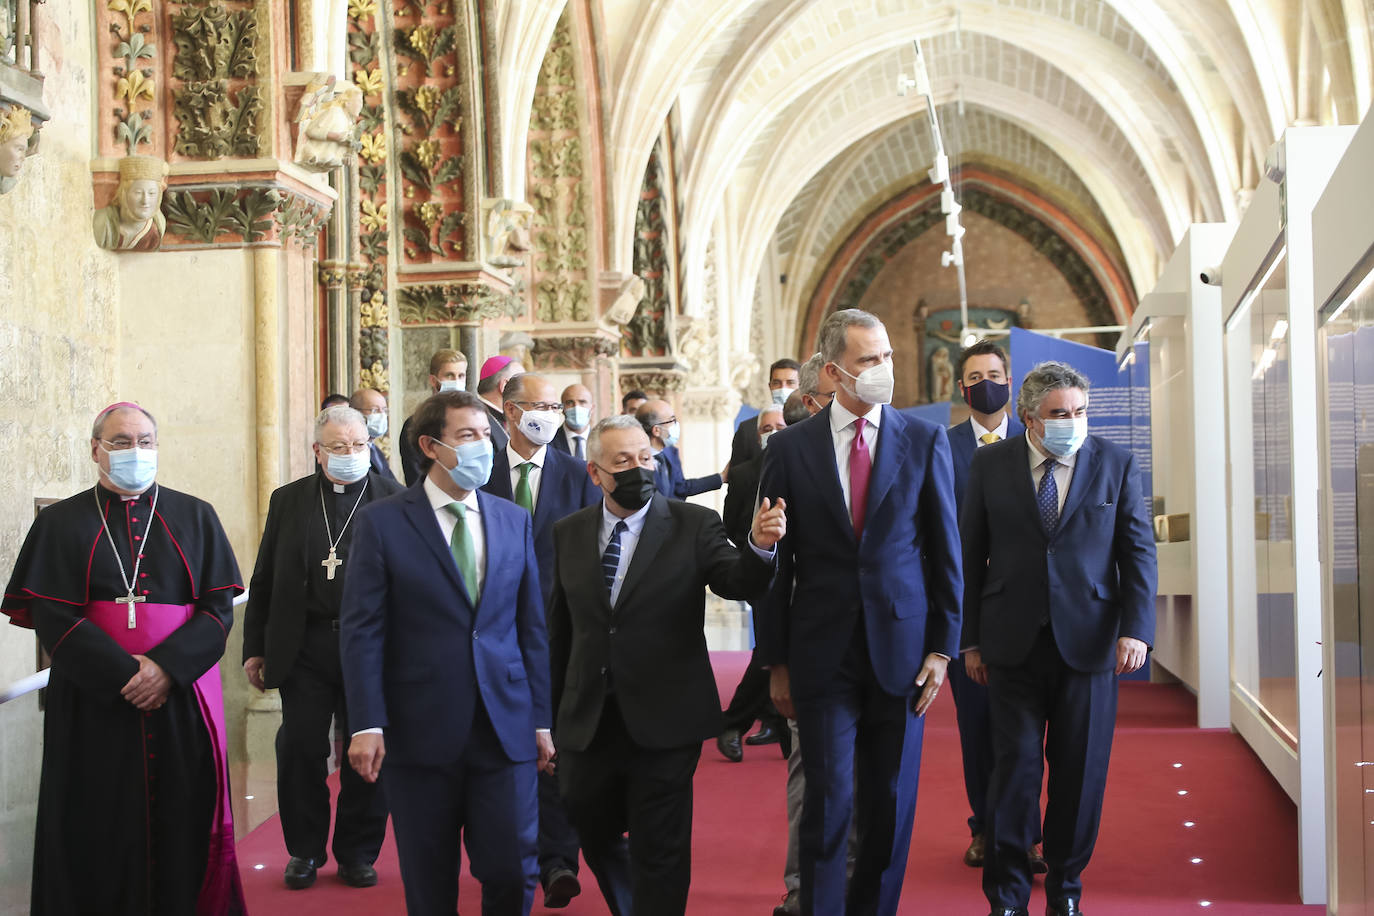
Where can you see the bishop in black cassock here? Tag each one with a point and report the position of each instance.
(133, 803)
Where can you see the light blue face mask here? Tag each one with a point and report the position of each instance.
(349, 468)
(1064, 437)
(763, 440)
(473, 469)
(132, 469)
(578, 417)
(450, 384)
(671, 434)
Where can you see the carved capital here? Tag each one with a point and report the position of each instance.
(572, 352)
(714, 404)
(238, 214)
(653, 381)
(332, 274)
(456, 302)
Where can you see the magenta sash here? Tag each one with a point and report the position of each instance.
(221, 892)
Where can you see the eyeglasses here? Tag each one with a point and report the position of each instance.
(345, 448)
(538, 405)
(123, 443)
(668, 422)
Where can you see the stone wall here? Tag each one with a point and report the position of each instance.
(59, 326)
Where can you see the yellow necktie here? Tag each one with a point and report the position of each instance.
(989, 438)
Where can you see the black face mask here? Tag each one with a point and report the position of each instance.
(633, 487)
(987, 396)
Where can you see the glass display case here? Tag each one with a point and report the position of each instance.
(1275, 535)
(1343, 242)
(1173, 346)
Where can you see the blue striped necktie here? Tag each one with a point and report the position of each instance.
(1047, 497)
(610, 560)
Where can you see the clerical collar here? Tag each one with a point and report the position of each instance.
(332, 487)
(109, 494)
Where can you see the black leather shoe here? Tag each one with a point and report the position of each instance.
(764, 735)
(1036, 856)
(729, 745)
(300, 873)
(1010, 911)
(561, 888)
(359, 874)
(1066, 907)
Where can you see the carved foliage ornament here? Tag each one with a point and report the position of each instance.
(653, 381)
(216, 102)
(365, 57)
(134, 75)
(459, 302)
(646, 334)
(575, 352)
(561, 281)
(233, 216)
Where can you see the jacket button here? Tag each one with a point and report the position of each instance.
(612, 631)
(1050, 551)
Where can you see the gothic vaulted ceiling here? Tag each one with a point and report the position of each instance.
(1134, 117)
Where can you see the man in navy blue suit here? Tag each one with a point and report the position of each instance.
(446, 668)
(1059, 599)
(664, 430)
(550, 485)
(864, 615)
(985, 383)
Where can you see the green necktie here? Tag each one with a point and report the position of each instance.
(463, 553)
(524, 496)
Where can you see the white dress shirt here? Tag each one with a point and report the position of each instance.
(1063, 471)
(979, 432)
(472, 518)
(571, 436)
(629, 539)
(842, 432)
(536, 462)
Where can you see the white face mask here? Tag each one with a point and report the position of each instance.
(376, 424)
(349, 468)
(780, 395)
(670, 435)
(450, 384)
(763, 440)
(873, 385)
(540, 426)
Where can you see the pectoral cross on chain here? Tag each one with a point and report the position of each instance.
(330, 563)
(131, 599)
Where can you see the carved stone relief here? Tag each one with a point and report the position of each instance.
(646, 334)
(16, 128)
(133, 221)
(552, 354)
(457, 302)
(653, 381)
(560, 280)
(328, 116)
(373, 191)
(216, 99)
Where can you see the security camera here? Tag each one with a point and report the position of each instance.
(1211, 275)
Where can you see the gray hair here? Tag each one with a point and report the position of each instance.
(834, 334)
(1044, 378)
(773, 408)
(809, 379)
(98, 426)
(615, 421)
(341, 414)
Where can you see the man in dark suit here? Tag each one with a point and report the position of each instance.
(863, 616)
(630, 402)
(550, 485)
(663, 429)
(446, 666)
(784, 377)
(448, 371)
(496, 372)
(985, 383)
(291, 642)
(371, 403)
(750, 702)
(578, 411)
(1059, 599)
(634, 692)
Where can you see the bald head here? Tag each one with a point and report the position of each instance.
(577, 407)
(656, 416)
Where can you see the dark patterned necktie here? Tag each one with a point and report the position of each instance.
(610, 560)
(1047, 497)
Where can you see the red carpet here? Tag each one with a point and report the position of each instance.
(1244, 831)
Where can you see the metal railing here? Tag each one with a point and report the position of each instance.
(39, 679)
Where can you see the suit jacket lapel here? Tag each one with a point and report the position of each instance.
(421, 515)
(306, 500)
(588, 547)
(498, 484)
(1018, 473)
(819, 456)
(549, 479)
(893, 446)
(1086, 468)
(495, 545)
(657, 521)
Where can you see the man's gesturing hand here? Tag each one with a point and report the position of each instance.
(770, 524)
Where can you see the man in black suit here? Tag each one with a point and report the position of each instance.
(750, 702)
(631, 401)
(371, 403)
(634, 694)
(985, 382)
(550, 485)
(578, 411)
(663, 429)
(496, 372)
(1059, 599)
(448, 371)
(291, 642)
(784, 377)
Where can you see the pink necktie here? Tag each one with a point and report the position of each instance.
(860, 466)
